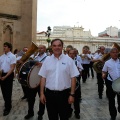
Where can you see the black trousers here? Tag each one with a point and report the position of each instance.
(111, 99)
(57, 104)
(91, 69)
(85, 72)
(77, 97)
(100, 83)
(6, 88)
(31, 101)
(25, 90)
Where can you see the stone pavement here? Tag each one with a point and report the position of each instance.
(92, 108)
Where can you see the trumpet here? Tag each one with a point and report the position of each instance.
(83, 56)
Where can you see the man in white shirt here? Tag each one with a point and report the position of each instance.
(40, 57)
(110, 72)
(7, 65)
(100, 82)
(91, 64)
(77, 57)
(85, 63)
(59, 78)
(72, 54)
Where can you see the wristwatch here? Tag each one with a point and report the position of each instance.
(73, 95)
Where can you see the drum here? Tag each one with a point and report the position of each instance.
(28, 74)
(116, 85)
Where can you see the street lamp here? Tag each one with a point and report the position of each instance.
(48, 33)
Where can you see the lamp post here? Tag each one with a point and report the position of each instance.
(48, 33)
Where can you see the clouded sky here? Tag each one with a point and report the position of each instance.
(95, 15)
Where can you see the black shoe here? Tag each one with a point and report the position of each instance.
(80, 99)
(6, 112)
(100, 96)
(40, 118)
(70, 115)
(113, 118)
(28, 116)
(24, 97)
(77, 116)
(119, 109)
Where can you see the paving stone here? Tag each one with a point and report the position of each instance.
(92, 108)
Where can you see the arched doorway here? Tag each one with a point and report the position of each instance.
(8, 34)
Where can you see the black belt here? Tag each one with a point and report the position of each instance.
(4, 73)
(57, 91)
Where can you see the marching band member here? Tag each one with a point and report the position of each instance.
(58, 77)
(79, 60)
(69, 47)
(85, 63)
(99, 75)
(40, 57)
(91, 64)
(7, 65)
(111, 70)
(72, 54)
(77, 57)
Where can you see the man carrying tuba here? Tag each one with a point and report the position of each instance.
(96, 58)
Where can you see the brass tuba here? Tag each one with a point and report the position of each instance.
(99, 65)
(33, 48)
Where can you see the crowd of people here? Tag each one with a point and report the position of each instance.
(60, 75)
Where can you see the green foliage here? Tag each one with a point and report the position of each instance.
(48, 40)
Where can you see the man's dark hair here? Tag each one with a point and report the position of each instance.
(56, 40)
(70, 46)
(86, 47)
(9, 45)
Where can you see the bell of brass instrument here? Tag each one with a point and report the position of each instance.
(99, 65)
(83, 56)
(33, 48)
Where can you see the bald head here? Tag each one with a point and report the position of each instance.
(114, 53)
(41, 49)
(102, 49)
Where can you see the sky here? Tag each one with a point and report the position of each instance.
(93, 15)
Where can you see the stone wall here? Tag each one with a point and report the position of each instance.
(18, 22)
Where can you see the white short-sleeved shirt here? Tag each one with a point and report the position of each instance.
(95, 54)
(58, 72)
(40, 58)
(98, 56)
(18, 58)
(78, 58)
(86, 60)
(78, 64)
(6, 60)
(113, 68)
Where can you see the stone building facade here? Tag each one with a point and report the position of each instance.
(78, 38)
(18, 22)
